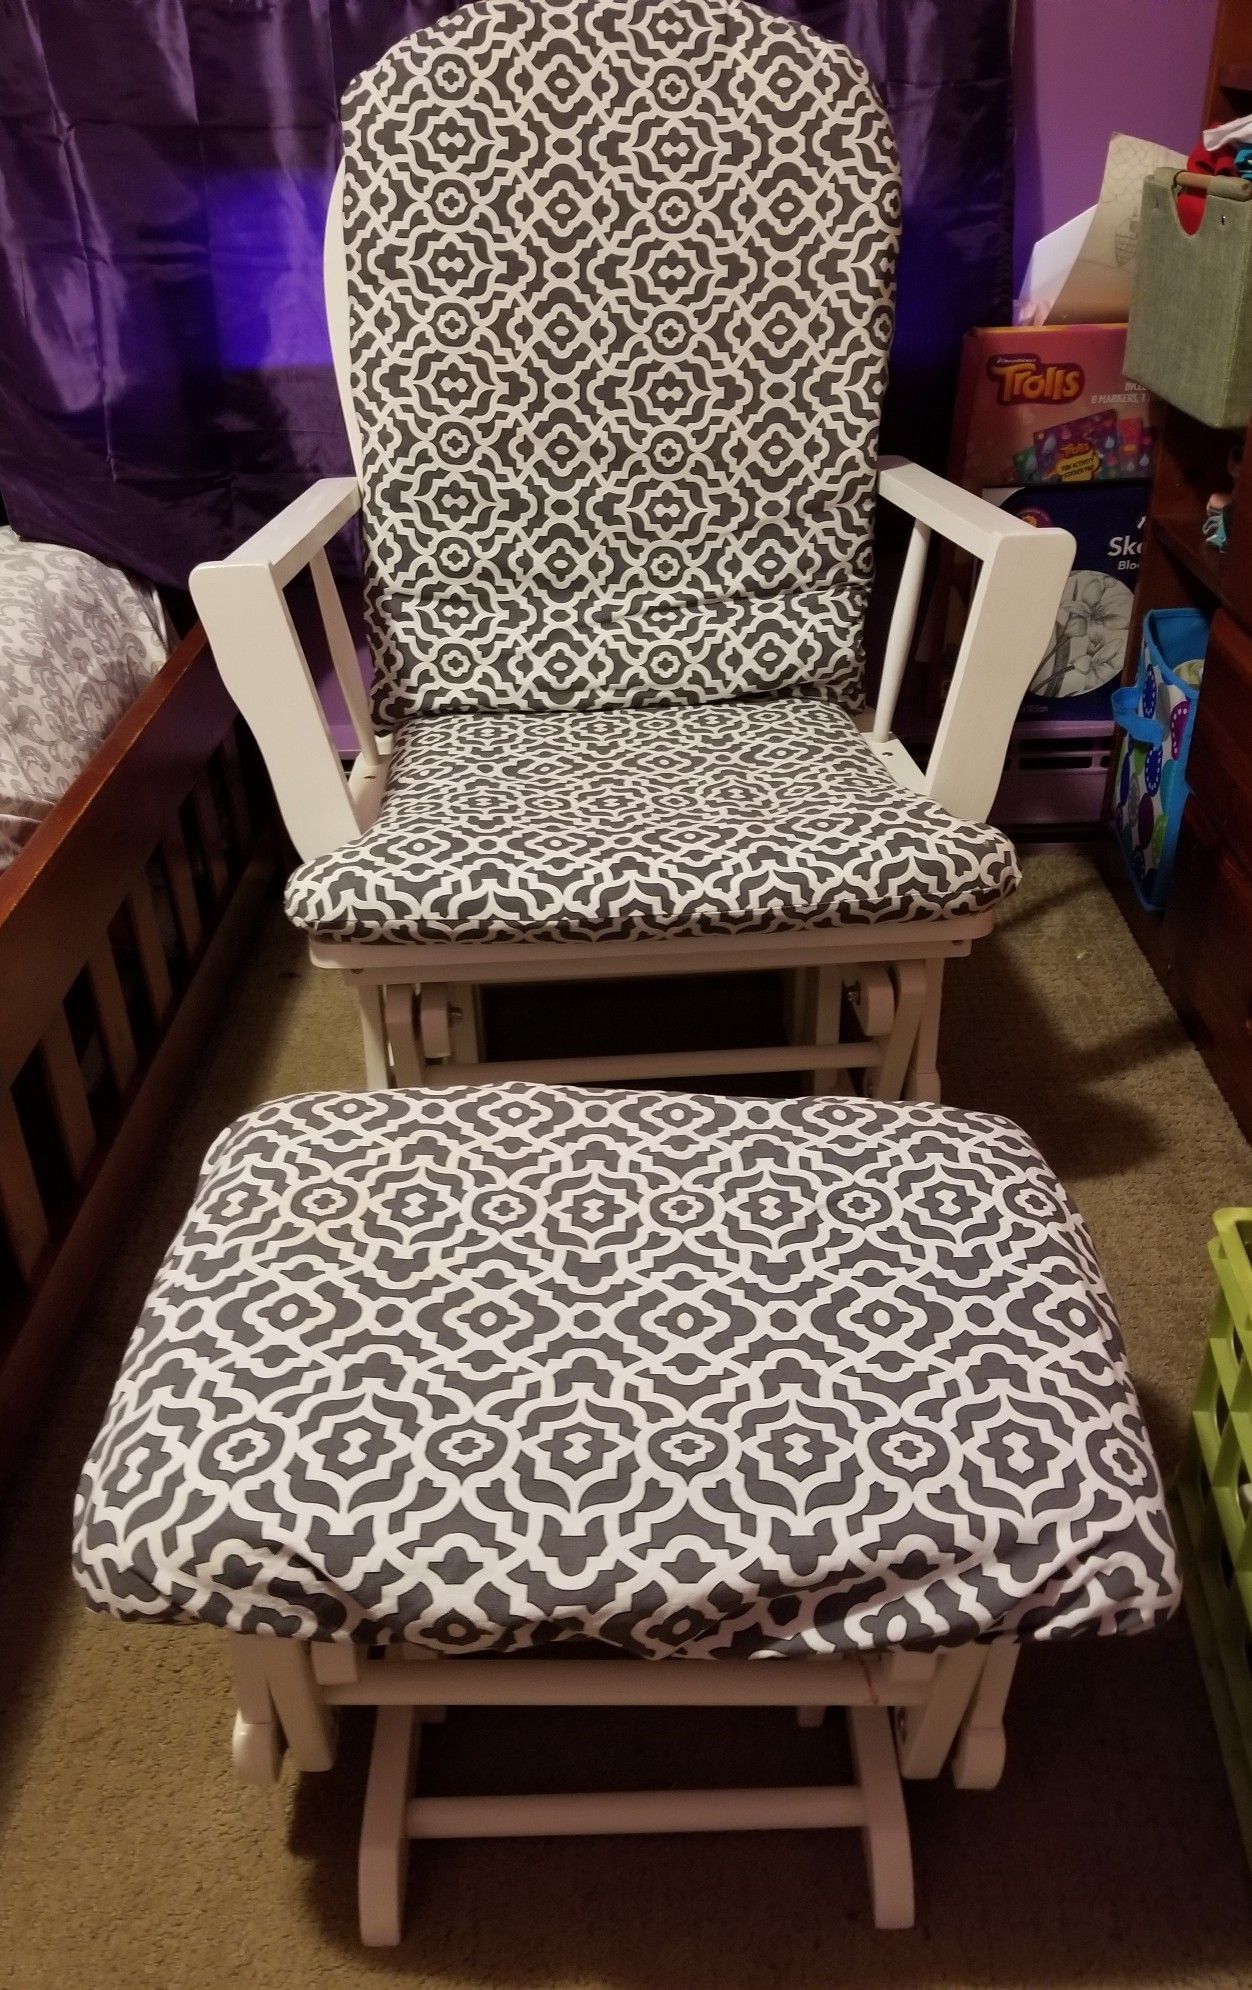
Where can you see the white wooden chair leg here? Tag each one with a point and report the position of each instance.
(801, 995)
(383, 1859)
(465, 1022)
(978, 1763)
(888, 1081)
(434, 1023)
(925, 1733)
(307, 1721)
(257, 1741)
(872, 994)
(826, 1016)
(407, 1061)
(888, 1851)
(922, 1082)
(374, 1035)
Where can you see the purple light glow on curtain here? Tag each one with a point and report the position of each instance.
(164, 170)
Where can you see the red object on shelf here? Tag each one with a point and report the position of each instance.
(1190, 199)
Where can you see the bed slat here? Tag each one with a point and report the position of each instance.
(177, 861)
(68, 1094)
(236, 789)
(152, 961)
(21, 1204)
(211, 837)
(115, 1030)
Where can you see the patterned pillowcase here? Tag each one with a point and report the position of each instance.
(78, 642)
(621, 280)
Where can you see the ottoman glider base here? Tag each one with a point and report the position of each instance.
(534, 1395)
(906, 1712)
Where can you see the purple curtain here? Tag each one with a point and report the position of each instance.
(164, 169)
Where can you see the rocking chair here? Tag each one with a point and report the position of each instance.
(610, 289)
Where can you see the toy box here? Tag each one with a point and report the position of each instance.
(1083, 663)
(1049, 405)
(1047, 425)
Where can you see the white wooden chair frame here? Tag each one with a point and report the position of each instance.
(908, 1713)
(418, 1002)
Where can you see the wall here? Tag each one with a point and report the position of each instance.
(1086, 68)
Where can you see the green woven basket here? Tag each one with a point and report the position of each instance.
(1213, 1504)
(1190, 333)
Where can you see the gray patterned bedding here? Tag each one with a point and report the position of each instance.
(79, 640)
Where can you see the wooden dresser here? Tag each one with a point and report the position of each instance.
(1201, 946)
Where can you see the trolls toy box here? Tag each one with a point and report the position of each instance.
(1049, 405)
(1048, 426)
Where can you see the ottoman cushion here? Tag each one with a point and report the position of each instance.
(491, 1367)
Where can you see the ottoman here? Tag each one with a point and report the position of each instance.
(441, 1396)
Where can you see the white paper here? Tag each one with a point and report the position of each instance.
(1051, 260)
(1083, 275)
(1237, 132)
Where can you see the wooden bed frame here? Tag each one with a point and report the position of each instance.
(120, 921)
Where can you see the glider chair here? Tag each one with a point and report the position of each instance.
(610, 290)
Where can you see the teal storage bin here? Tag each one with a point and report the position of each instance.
(1157, 717)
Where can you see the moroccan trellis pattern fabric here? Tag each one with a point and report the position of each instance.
(487, 1369)
(621, 276)
(766, 815)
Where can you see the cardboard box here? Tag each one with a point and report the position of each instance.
(1083, 664)
(1049, 405)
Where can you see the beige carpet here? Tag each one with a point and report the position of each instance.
(130, 1857)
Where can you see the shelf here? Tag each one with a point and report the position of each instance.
(1235, 78)
(1187, 545)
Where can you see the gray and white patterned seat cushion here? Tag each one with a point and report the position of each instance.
(485, 1369)
(767, 816)
(621, 280)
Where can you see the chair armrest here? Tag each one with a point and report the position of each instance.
(287, 543)
(957, 515)
(1023, 570)
(260, 657)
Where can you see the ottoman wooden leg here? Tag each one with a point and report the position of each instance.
(257, 1740)
(465, 1019)
(925, 1734)
(922, 1082)
(383, 1861)
(978, 1763)
(280, 1706)
(826, 1022)
(407, 1059)
(373, 1035)
(909, 978)
(888, 1851)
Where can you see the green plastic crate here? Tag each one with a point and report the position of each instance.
(1213, 1503)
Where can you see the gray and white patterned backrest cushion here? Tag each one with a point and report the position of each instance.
(620, 280)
